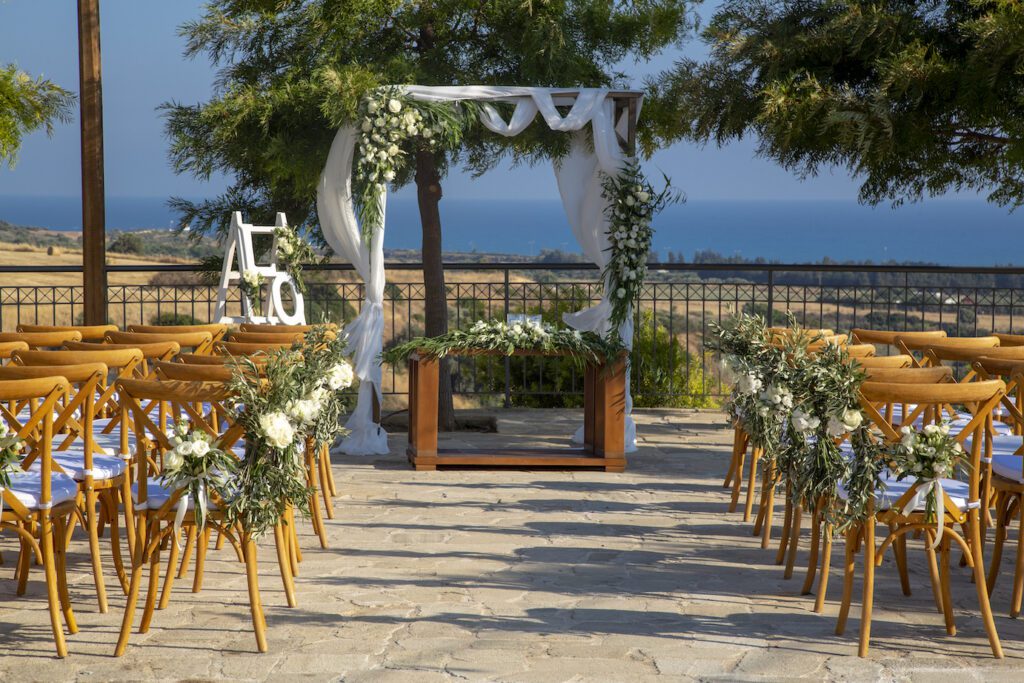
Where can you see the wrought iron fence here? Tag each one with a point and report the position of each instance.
(677, 304)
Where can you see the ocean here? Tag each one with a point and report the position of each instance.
(949, 232)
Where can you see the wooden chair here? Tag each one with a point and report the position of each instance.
(40, 502)
(100, 478)
(908, 345)
(249, 349)
(860, 350)
(860, 335)
(899, 361)
(959, 506)
(216, 330)
(156, 350)
(1010, 339)
(267, 337)
(193, 359)
(199, 342)
(156, 505)
(88, 332)
(42, 340)
(279, 329)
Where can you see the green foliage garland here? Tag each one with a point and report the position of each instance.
(581, 347)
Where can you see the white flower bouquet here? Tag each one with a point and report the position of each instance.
(198, 466)
(251, 283)
(929, 455)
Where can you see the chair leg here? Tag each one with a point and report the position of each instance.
(24, 566)
(115, 539)
(1001, 524)
(751, 484)
(848, 576)
(201, 547)
(812, 560)
(46, 540)
(947, 595)
(768, 504)
(94, 549)
(826, 570)
(868, 599)
(735, 458)
(737, 479)
(933, 571)
(259, 623)
(787, 525)
(899, 551)
(172, 562)
(314, 504)
(794, 541)
(324, 485)
(284, 564)
(190, 543)
(326, 455)
(138, 561)
(295, 556)
(984, 602)
(1018, 573)
(154, 581)
(60, 556)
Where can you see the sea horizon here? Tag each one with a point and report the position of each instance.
(783, 230)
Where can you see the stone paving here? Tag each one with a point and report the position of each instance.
(521, 576)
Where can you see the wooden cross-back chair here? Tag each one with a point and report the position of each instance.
(909, 345)
(279, 329)
(101, 478)
(267, 337)
(861, 350)
(192, 359)
(200, 342)
(156, 505)
(40, 501)
(1009, 370)
(861, 335)
(153, 350)
(228, 348)
(42, 340)
(1010, 339)
(1006, 464)
(88, 332)
(959, 505)
(7, 349)
(897, 361)
(216, 330)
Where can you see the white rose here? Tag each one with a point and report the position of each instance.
(277, 429)
(852, 418)
(286, 248)
(184, 448)
(200, 447)
(643, 196)
(630, 201)
(367, 125)
(252, 277)
(835, 427)
(379, 122)
(393, 151)
(394, 106)
(931, 430)
(173, 460)
(621, 293)
(340, 376)
(371, 107)
(409, 118)
(389, 176)
(427, 133)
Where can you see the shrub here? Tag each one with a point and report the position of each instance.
(171, 318)
(127, 243)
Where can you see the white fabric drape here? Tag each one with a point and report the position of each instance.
(365, 334)
(579, 183)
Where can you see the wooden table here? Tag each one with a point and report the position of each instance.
(604, 418)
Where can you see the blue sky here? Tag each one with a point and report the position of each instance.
(143, 66)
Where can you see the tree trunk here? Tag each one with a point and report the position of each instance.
(428, 194)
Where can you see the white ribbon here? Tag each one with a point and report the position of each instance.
(200, 503)
(925, 487)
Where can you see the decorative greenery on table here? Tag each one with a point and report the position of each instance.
(292, 251)
(392, 127)
(631, 205)
(581, 347)
(280, 403)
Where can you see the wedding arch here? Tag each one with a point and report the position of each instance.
(580, 176)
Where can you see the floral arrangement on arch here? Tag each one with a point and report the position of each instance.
(392, 127)
(631, 206)
(297, 394)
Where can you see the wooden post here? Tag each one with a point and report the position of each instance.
(94, 258)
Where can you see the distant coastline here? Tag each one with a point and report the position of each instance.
(938, 231)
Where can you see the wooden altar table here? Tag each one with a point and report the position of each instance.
(604, 389)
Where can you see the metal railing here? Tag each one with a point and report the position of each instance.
(677, 304)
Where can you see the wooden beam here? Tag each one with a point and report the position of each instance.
(94, 256)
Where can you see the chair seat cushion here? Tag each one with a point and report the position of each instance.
(1002, 444)
(72, 461)
(157, 494)
(958, 491)
(1009, 467)
(25, 486)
